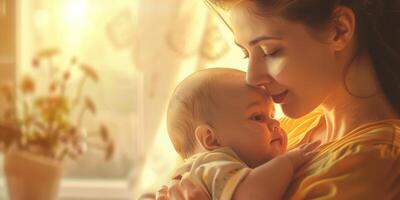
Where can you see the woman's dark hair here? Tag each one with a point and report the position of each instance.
(377, 28)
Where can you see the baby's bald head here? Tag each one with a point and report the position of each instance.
(193, 103)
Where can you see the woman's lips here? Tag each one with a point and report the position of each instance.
(280, 97)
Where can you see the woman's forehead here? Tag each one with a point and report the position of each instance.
(246, 24)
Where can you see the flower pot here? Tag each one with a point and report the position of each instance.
(31, 176)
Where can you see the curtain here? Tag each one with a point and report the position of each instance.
(175, 38)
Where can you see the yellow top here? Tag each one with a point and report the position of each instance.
(217, 172)
(364, 164)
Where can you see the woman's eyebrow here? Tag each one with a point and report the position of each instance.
(262, 38)
(259, 39)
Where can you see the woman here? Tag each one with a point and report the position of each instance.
(334, 68)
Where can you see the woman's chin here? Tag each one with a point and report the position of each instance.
(292, 111)
(295, 111)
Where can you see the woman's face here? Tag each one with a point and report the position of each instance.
(295, 64)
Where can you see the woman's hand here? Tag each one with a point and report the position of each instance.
(181, 190)
(303, 153)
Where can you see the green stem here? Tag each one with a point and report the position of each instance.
(80, 117)
(95, 145)
(79, 91)
(25, 111)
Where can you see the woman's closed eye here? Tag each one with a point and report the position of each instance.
(271, 53)
(266, 53)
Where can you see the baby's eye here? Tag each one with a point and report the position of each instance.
(258, 117)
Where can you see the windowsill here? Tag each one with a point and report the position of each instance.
(83, 189)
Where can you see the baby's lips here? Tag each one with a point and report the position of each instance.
(276, 134)
(281, 134)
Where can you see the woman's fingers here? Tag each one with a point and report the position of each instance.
(192, 192)
(182, 190)
(175, 191)
(162, 194)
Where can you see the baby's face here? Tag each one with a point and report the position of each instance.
(245, 122)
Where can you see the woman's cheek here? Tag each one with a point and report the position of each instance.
(276, 67)
(290, 73)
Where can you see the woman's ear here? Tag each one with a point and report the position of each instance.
(205, 135)
(344, 24)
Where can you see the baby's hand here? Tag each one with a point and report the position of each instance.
(303, 153)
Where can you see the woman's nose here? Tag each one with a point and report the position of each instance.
(257, 74)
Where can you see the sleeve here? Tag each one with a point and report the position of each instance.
(369, 171)
(219, 173)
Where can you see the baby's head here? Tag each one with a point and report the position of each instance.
(215, 108)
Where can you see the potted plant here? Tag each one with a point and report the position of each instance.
(39, 130)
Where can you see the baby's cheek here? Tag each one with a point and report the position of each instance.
(285, 138)
(254, 127)
(258, 131)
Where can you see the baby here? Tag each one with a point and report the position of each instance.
(225, 131)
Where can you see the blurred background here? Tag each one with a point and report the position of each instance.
(140, 49)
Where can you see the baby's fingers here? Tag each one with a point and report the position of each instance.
(311, 146)
(311, 154)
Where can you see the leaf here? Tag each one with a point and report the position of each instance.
(53, 86)
(27, 85)
(90, 105)
(104, 133)
(109, 150)
(89, 71)
(73, 60)
(35, 63)
(47, 53)
(66, 75)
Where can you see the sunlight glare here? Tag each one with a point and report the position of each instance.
(74, 12)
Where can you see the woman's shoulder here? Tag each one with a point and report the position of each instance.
(384, 131)
(387, 131)
(381, 136)
(354, 160)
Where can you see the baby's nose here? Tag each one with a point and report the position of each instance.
(274, 125)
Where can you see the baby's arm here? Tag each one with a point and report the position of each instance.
(270, 180)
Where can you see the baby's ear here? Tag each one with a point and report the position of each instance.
(205, 135)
